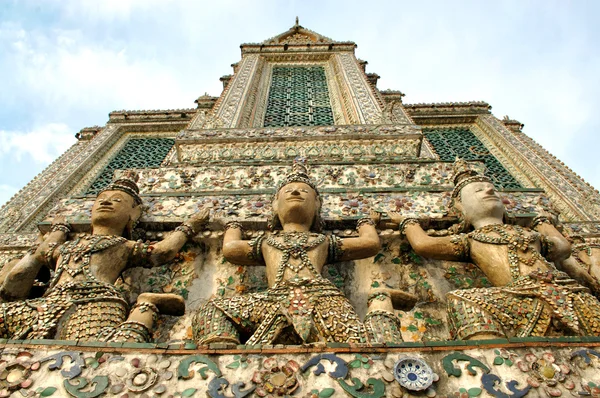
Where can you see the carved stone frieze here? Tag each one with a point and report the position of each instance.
(17, 240)
(395, 131)
(430, 175)
(228, 110)
(336, 206)
(541, 368)
(365, 101)
(316, 150)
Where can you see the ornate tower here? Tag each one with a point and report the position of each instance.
(304, 94)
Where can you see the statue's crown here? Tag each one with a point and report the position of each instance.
(299, 173)
(464, 174)
(126, 182)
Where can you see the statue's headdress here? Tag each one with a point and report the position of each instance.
(299, 173)
(464, 174)
(126, 182)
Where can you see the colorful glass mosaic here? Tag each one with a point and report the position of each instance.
(298, 96)
(450, 143)
(137, 153)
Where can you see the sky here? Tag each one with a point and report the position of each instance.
(65, 64)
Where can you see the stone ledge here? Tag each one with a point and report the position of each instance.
(428, 346)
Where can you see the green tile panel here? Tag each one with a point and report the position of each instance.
(462, 143)
(298, 96)
(136, 153)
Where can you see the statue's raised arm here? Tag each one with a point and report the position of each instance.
(367, 244)
(439, 248)
(21, 277)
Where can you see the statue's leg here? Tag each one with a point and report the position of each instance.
(588, 311)
(18, 320)
(337, 320)
(269, 329)
(383, 327)
(381, 322)
(143, 316)
(85, 321)
(468, 321)
(487, 313)
(211, 325)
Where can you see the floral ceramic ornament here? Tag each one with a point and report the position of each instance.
(275, 380)
(414, 374)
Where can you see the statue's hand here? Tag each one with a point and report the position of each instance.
(198, 220)
(594, 287)
(588, 280)
(396, 217)
(59, 223)
(375, 216)
(221, 219)
(59, 220)
(553, 218)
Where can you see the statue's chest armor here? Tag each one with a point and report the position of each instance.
(505, 253)
(101, 260)
(295, 253)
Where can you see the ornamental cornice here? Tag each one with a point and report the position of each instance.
(298, 133)
(474, 107)
(512, 124)
(297, 48)
(297, 34)
(392, 95)
(206, 101)
(87, 133)
(124, 116)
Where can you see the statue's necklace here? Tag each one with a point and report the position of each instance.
(514, 241)
(77, 251)
(295, 245)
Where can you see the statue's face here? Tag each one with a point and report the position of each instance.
(114, 208)
(297, 197)
(480, 200)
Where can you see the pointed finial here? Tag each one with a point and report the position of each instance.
(297, 21)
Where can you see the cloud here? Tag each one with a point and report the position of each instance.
(77, 60)
(63, 71)
(42, 144)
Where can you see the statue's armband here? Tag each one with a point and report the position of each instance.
(140, 254)
(335, 251)
(255, 252)
(461, 247)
